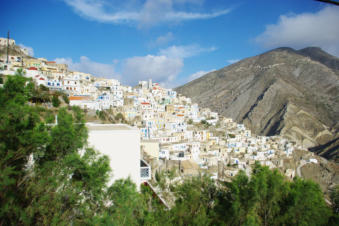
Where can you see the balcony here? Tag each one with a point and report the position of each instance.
(145, 171)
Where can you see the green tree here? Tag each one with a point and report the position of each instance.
(70, 190)
(55, 101)
(305, 204)
(236, 202)
(154, 211)
(20, 72)
(194, 202)
(101, 115)
(270, 189)
(334, 220)
(126, 207)
(68, 136)
(267, 198)
(22, 134)
(60, 186)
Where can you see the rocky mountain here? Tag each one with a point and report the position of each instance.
(290, 92)
(13, 50)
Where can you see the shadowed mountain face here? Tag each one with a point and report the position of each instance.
(317, 54)
(283, 91)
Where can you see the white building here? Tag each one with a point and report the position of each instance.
(121, 143)
(164, 154)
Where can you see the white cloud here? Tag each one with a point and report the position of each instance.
(161, 69)
(198, 74)
(197, 2)
(232, 61)
(303, 30)
(162, 40)
(29, 49)
(95, 10)
(67, 61)
(178, 16)
(145, 14)
(184, 51)
(88, 66)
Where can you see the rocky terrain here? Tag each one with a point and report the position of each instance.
(13, 50)
(283, 91)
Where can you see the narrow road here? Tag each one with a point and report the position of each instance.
(303, 162)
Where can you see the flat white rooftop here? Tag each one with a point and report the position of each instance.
(96, 126)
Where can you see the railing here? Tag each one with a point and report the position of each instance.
(145, 171)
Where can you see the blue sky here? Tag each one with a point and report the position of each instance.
(170, 41)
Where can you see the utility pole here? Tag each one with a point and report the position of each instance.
(7, 46)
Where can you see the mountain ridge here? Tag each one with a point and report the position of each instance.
(283, 91)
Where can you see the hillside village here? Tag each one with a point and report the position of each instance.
(175, 133)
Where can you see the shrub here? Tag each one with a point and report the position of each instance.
(65, 98)
(55, 101)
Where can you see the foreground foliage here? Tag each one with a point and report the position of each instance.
(48, 178)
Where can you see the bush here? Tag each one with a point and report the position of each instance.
(55, 101)
(50, 118)
(43, 88)
(231, 135)
(203, 122)
(65, 98)
(101, 115)
(119, 117)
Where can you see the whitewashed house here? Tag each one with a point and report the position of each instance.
(121, 143)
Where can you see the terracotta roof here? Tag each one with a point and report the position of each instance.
(145, 103)
(33, 68)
